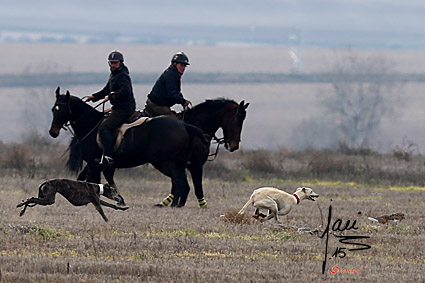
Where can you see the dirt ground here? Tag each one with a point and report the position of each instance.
(73, 244)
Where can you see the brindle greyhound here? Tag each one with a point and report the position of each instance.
(76, 192)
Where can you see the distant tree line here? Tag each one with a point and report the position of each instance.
(49, 79)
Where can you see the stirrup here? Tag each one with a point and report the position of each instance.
(106, 160)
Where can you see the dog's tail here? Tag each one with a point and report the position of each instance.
(249, 202)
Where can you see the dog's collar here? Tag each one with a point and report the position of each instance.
(298, 199)
(100, 189)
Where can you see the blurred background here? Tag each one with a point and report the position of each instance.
(318, 74)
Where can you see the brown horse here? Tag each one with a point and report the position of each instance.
(210, 116)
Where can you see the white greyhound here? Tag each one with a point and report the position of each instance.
(276, 201)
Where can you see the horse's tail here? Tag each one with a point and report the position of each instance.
(75, 160)
(194, 131)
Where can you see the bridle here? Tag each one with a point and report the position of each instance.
(68, 125)
(223, 140)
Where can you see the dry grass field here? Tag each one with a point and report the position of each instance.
(63, 243)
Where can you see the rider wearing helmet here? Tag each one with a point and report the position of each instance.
(167, 90)
(119, 92)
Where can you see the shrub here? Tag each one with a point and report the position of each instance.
(261, 162)
(322, 163)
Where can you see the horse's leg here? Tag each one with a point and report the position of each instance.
(184, 185)
(178, 177)
(196, 172)
(108, 172)
(84, 174)
(94, 175)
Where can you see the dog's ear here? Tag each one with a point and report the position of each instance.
(304, 190)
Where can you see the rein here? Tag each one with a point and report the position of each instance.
(184, 110)
(219, 141)
(86, 135)
(68, 126)
(82, 116)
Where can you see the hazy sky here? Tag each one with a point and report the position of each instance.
(362, 15)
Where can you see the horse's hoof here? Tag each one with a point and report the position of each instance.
(158, 205)
(124, 207)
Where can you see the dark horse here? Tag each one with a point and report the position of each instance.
(209, 116)
(164, 142)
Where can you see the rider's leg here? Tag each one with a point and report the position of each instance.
(151, 110)
(112, 122)
(108, 146)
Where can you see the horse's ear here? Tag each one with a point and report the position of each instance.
(57, 91)
(68, 94)
(242, 105)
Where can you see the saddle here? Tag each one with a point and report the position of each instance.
(136, 119)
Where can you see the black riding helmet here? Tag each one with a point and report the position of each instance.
(180, 57)
(115, 56)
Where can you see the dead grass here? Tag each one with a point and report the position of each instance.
(73, 244)
(232, 216)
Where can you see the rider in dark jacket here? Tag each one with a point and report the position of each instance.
(167, 90)
(119, 92)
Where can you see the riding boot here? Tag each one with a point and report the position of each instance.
(108, 151)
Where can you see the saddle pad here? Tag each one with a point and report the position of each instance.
(121, 132)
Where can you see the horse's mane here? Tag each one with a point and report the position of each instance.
(80, 102)
(210, 104)
(76, 99)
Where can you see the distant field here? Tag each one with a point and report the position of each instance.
(274, 111)
(276, 108)
(151, 58)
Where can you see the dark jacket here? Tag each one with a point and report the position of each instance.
(167, 89)
(119, 90)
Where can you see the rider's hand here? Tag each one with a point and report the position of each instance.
(106, 99)
(187, 102)
(89, 98)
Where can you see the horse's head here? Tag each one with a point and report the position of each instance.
(61, 112)
(232, 125)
